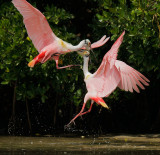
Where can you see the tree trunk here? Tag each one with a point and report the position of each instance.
(28, 118)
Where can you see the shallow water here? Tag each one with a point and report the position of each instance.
(108, 144)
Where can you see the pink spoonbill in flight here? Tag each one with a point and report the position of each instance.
(45, 41)
(111, 73)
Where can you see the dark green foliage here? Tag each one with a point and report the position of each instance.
(17, 50)
(141, 22)
(62, 91)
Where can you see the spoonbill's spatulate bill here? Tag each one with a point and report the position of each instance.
(45, 41)
(112, 73)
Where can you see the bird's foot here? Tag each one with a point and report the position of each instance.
(69, 127)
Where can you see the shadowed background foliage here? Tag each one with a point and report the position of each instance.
(42, 100)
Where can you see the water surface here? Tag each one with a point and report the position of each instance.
(108, 144)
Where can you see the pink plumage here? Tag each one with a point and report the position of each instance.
(36, 25)
(130, 78)
(44, 40)
(111, 74)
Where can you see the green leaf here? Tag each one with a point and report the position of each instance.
(4, 82)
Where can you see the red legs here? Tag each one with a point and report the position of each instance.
(42, 57)
(64, 66)
(80, 113)
(84, 104)
(89, 109)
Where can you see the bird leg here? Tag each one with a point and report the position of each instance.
(89, 109)
(64, 66)
(79, 114)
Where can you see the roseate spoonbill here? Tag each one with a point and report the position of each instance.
(111, 73)
(45, 41)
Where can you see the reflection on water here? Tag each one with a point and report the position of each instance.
(111, 145)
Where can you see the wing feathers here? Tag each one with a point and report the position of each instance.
(100, 42)
(36, 24)
(113, 52)
(130, 78)
(26, 9)
(140, 78)
(129, 83)
(118, 41)
(134, 84)
(137, 81)
(104, 81)
(125, 82)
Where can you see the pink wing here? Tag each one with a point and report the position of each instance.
(107, 77)
(101, 42)
(104, 82)
(130, 78)
(111, 55)
(98, 43)
(36, 24)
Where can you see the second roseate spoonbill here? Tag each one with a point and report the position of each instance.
(45, 41)
(111, 73)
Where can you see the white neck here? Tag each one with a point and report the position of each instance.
(85, 66)
(77, 47)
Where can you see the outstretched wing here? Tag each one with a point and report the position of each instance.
(100, 42)
(36, 24)
(107, 77)
(130, 78)
(111, 55)
(104, 82)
